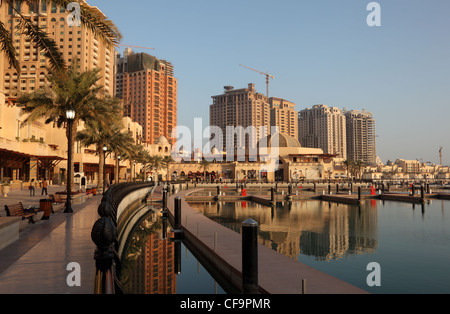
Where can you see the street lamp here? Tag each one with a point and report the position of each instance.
(118, 169)
(70, 115)
(104, 167)
(134, 171)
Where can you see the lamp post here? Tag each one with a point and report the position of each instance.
(134, 171)
(70, 115)
(118, 169)
(104, 167)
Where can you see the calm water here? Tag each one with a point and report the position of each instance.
(153, 264)
(411, 243)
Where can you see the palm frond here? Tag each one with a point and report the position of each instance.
(7, 47)
(95, 21)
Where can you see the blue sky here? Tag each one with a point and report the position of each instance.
(320, 52)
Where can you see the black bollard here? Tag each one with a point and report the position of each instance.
(329, 189)
(290, 189)
(337, 188)
(359, 193)
(272, 194)
(422, 192)
(412, 190)
(250, 257)
(218, 190)
(164, 200)
(315, 187)
(177, 218)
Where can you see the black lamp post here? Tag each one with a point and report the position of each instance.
(118, 169)
(104, 167)
(70, 115)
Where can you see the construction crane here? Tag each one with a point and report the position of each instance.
(440, 153)
(268, 76)
(139, 47)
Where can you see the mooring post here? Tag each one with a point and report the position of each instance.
(290, 189)
(164, 200)
(250, 256)
(359, 193)
(329, 189)
(412, 190)
(337, 188)
(422, 192)
(272, 194)
(218, 190)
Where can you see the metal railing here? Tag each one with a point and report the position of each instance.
(104, 235)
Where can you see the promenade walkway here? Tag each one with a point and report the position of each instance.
(37, 262)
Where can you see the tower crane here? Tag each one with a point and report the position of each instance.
(268, 76)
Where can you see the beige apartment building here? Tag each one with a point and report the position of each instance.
(240, 108)
(75, 43)
(361, 136)
(323, 127)
(148, 90)
(38, 150)
(284, 115)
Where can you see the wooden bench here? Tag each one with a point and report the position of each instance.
(57, 199)
(17, 210)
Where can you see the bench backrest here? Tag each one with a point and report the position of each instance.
(14, 210)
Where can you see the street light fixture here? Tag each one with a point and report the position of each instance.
(70, 115)
(104, 167)
(118, 169)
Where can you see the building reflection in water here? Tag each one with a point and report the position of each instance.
(327, 231)
(149, 262)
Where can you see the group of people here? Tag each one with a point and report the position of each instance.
(33, 186)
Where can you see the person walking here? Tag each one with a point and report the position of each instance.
(44, 186)
(32, 188)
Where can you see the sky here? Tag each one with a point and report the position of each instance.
(320, 52)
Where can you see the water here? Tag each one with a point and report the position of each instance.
(411, 243)
(154, 264)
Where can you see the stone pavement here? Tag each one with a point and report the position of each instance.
(37, 262)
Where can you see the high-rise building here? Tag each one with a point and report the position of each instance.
(361, 144)
(284, 116)
(241, 108)
(148, 91)
(323, 127)
(76, 43)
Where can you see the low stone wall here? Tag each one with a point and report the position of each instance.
(9, 230)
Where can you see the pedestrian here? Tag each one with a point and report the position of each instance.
(44, 186)
(32, 188)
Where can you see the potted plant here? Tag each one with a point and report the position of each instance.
(6, 187)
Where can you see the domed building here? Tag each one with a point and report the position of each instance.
(277, 158)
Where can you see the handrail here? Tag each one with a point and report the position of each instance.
(104, 235)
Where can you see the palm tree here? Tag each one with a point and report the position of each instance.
(205, 164)
(348, 165)
(359, 166)
(166, 161)
(76, 90)
(90, 17)
(113, 138)
(156, 163)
